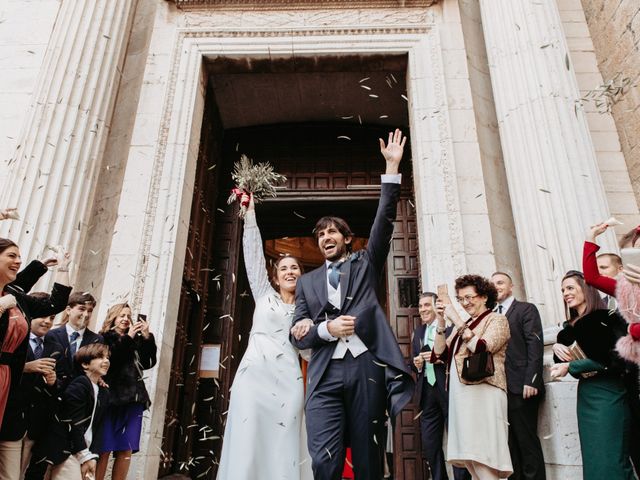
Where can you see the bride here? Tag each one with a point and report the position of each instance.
(264, 437)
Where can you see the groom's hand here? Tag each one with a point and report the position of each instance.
(342, 326)
(392, 152)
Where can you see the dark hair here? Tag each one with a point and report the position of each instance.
(615, 258)
(90, 352)
(76, 298)
(631, 237)
(6, 243)
(502, 273)
(429, 295)
(483, 287)
(591, 296)
(340, 224)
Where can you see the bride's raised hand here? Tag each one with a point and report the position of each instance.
(247, 199)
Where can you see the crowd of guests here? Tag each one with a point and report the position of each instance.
(69, 397)
(480, 376)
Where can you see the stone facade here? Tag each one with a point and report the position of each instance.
(117, 107)
(614, 26)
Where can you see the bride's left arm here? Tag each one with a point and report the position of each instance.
(254, 256)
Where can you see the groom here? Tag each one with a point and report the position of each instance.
(357, 371)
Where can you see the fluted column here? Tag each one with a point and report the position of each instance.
(61, 143)
(554, 182)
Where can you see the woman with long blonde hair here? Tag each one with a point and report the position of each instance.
(133, 349)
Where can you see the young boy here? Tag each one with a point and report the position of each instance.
(73, 334)
(40, 385)
(67, 447)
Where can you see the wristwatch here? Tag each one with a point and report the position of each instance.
(441, 330)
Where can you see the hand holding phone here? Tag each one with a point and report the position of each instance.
(144, 327)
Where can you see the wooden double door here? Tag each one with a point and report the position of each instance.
(325, 176)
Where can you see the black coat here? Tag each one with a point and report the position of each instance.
(129, 358)
(597, 334)
(523, 361)
(33, 404)
(359, 282)
(66, 369)
(65, 436)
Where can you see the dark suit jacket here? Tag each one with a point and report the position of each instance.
(66, 435)
(359, 282)
(439, 368)
(523, 361)
(33, 403)
(65, 367)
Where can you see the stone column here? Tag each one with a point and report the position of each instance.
(62, 140)
(554, 182)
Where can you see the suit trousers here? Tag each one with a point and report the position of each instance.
(432, 425)
(10, 459)
(34, 469)
(524, 444)
(347, 408)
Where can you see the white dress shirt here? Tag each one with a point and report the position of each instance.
(70, 330)
(33, 343)
(506, 305)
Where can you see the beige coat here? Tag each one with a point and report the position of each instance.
(494, 330)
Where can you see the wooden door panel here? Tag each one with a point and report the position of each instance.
(402, 266)
(215, 306)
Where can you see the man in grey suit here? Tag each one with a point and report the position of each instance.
(357, 370)
(525, 387)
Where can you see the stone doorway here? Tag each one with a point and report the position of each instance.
(313, 119)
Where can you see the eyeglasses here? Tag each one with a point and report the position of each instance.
(466, 298)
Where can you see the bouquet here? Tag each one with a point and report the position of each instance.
(259, 180)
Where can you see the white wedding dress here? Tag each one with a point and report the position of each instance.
(265, 436)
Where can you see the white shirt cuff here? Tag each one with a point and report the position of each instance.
(323, 332)
(391, 178)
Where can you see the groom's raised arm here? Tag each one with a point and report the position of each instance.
(382, 229)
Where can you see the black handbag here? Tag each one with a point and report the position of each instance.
(477, 366)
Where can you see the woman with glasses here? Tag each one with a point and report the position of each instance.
(585, 349)
(478, 428)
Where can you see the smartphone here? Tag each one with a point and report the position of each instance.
(630, 256)
(443, 294)
(141, 317)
